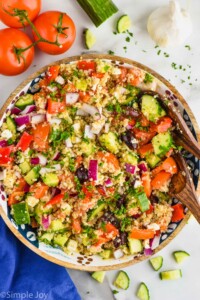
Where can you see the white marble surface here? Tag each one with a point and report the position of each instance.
(142, 49)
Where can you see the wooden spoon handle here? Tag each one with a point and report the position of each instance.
(188, 198)
(190, 145)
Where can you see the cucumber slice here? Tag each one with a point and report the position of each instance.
(24, 101)
(60, 239)
(152, 160)
(151, 108)
(98, 11)
(11, 126)
(25, 167)
(143, 292)
(135, 246)
(122, 280)
(156, 262)
(110, 142)
(123, 24)
(46, 237)
(143, 201)
(105, 254)
(97, 212)
(90, 38)
(20, 213)
(162, 143)
(180, 256)
(57, 226)
(50, 179)
(99, 276)
(32, 175)
(171, 275)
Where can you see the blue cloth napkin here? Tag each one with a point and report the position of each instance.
(26, 275)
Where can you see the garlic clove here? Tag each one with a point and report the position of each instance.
(169, 25)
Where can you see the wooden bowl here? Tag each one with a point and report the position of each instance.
(93, 263)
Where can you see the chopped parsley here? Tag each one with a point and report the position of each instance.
(106, 68)
(128, 39)
(124, 223)
(115, 292)
(111, 52)
(71, 164)
(159, 51)
(188, 47)
(148, 78)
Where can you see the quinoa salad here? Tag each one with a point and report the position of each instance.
(87, 160)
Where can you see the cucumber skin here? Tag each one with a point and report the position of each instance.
(143, 291)
(153, 265)
(98, 10)
(180, 256)
(165, 275)
(119, 279)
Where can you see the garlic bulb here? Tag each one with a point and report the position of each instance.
(169, 25)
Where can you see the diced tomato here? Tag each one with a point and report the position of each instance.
(163, 124)
(40, 136)
(88, 189)
(143, 136)
(136, 76)
(111, 230)
(101, 241)
(108, 157)
(34, 223)
(55, 200)
(169, 153)
(122, 76)
(14, 198)
(101, 190)
(20, 185)
(143, 121)
(142, 234)
(98, 75)
(87, 65)
(69, 87)
(76, 225)
(150, 210)
(132, 123)
(25, 141)
(84, 97)
(52, 73)
(5, 159)
(146, 182)
(178, 212)
(79, 161)
(55, 107)
(39, 190)
(169, 165)
(145, 149)
(160, 180)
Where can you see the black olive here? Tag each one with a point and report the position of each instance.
(110, 217)
(82, 174)
(128, 138)
(121, 201)
(120, 240)
(130, 111)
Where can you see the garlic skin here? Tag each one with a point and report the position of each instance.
(169, 25)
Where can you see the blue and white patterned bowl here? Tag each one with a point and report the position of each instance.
(77, 261)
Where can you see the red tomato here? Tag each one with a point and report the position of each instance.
(32, 7)
(86, 65)
(55, 200)
(52, 26)
(40, 136)
(52, 72)
(54, 107)
(143, 136)
(10, 63)
(5, 158)
(24, 141)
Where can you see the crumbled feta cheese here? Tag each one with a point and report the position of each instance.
(59, 79)
(6, 134)
(32, 201)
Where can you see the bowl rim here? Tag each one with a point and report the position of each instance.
(194, 123)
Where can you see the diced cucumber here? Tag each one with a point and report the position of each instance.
(87, 148)
(122, 280)
(90, 38)
(110, 142)
(72, 245)
(105, 253)
(171, 275)
(20, 213)
(151, 108)
(46, 237)
(24, 101)
(123, 24)
(81, 84)
(135, 246)
(143, 292)
(130, 158)
(40, 210)
(60, 239)
(98, 11)
(50, 179)
(180, 256)
(11, 126)
(99, 276)
(85, 239)
(143, 201)
(162, 143)
(152, 160)
(32, 175)
(57, 226)
(25, 167)
(96, 212)
(156, 262)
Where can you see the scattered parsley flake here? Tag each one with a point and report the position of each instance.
(130, 33)
(111, 52)
(125, 49)
(128, 39)
(156, 46)
(159, 51)
(174, 66)
(182, 81)
(115, 292)
(114, 32)
(166, 54)
(148, 78)
(188, 47)
(144, 51)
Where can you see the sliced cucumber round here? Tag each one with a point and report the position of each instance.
(143, 292)
(180, 256)
(123, 24)
(122, 280)
(171, 275)
(99, 276)
(90, 38)
(156, 262)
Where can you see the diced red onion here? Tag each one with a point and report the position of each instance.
(55, 121)
(93, 169)
(22, 120)
(154, 243)
(118, 253)
(68, 143)
(108, 182)
(15, 110)
(3, 143)
(28, 109)
(71, 98)
(42, 159)
(20, 128)
(56, 156)
(142, 167)
(148, 252)
(26, 188)
(35, 160)
(38, 118)
(46, 221)
(87, 133)
(130, 168)
(91, 110)
(129, 126)
(55, 191)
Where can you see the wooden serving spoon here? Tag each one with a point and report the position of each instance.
(182, 187)
(182, 134)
